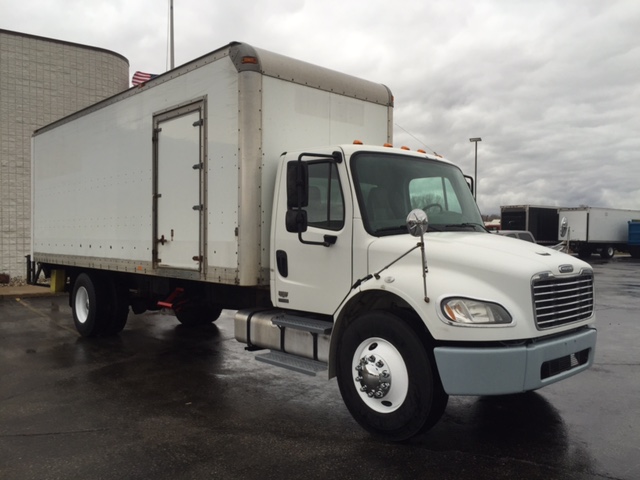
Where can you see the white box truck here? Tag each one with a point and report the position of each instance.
(234, 182)
(589, 230)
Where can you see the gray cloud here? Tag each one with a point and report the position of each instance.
(551, 87)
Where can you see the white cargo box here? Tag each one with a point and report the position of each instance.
(597, 225)
(175, 178)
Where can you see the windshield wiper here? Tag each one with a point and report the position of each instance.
(467, 225)
(402, 228)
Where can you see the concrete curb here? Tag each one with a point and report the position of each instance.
(26, 291)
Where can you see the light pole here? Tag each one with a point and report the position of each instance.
(475, 178)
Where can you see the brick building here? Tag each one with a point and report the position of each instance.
(41, 80)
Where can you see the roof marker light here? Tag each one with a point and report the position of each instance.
(250, 60)
(357, 142)
(404, 148)
(388, 145)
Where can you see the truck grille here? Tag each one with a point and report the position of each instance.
(560, 301)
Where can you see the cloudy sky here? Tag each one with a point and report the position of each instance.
(552, 87)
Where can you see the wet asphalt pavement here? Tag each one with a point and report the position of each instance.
(163, 401)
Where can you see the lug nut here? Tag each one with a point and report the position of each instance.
(372, 358)
(380, 364)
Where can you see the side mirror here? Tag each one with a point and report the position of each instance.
(297, 184)
(564, 226)
(417, 222)
(469, 183)
(296, 221)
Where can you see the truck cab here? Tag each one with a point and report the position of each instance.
(404, 321)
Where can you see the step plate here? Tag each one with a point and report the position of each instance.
(293, 362)
(302, 323)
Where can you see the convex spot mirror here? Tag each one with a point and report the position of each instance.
(296, 221)
(417, 222)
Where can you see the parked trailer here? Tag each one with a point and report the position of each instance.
(541, 221)
(602, 230)
(178, 195)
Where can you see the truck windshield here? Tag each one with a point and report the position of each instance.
(389, 186)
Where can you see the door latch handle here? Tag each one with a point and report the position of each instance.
(162, 240)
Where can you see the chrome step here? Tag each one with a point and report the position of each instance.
(292, 362)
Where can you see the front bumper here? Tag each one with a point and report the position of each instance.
(506, 370)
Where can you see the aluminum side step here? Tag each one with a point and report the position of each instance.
(293, 362)
(303, 323)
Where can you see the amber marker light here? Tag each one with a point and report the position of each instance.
(250, 60)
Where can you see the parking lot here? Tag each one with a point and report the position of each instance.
(163, 401)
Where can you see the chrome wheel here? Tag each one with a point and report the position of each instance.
(380, 375)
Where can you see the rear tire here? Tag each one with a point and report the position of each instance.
(88, 300)
(607, 252)
(197, 313)
(118, 307)
(387, 379)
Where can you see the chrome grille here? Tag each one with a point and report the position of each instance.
(562, 300)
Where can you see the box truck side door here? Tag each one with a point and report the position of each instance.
(310, 276)
(178, 189)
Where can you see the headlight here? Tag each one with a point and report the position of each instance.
(465, 311)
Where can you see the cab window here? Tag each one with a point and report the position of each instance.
(326, 201)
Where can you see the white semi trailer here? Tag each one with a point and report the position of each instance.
(234, 182)
(589, 230)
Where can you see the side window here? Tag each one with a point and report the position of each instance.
(434, 191)
(326, 202)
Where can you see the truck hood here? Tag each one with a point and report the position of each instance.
(474, 265)
(476, 250)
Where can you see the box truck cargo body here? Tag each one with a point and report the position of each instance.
(251, 181)
(603, 230)
(212, 130)
(541, 221)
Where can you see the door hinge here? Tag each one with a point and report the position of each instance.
(198, 123)
(198, 166)
(197, 258)
(198, 208)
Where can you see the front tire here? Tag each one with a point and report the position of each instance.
(387, 379)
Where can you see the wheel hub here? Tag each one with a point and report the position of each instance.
(374, 376)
